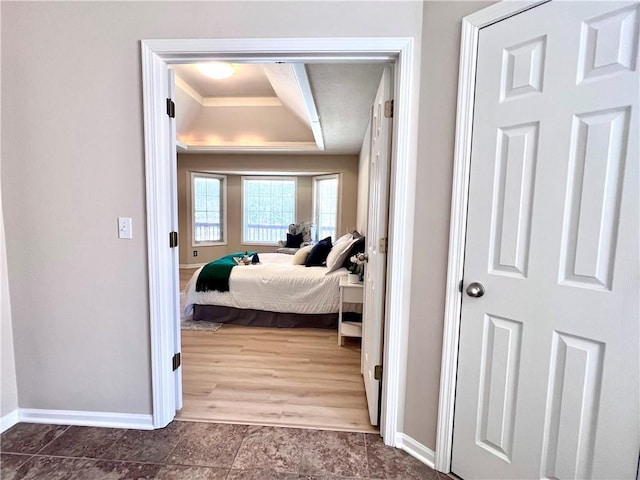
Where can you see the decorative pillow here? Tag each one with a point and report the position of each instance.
(287, 251)
(294, 241)
(347, 237)
(338, 255)
(357, 246)
(304, 228)
(356, 234)
(300, 257)
(318, 255)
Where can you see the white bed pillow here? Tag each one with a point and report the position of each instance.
(347, 237)
(338, 253)
(300, 257)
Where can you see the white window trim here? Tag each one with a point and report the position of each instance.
(264, 177)
(315, 179)
(223, 209)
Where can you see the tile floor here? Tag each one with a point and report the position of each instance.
(201, 451)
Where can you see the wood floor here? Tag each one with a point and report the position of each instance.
(270, 376)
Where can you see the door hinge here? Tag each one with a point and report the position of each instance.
(377, 372)
(177, 361)
(388, 109)
(460, 283)
(171, 108)
(383, 245)
(173, 239)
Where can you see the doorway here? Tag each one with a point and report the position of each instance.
(156, 55)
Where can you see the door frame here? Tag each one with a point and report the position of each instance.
(400, 50)
(471, 26)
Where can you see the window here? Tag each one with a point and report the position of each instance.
(325, 206)
(208, 199)
(269, 207)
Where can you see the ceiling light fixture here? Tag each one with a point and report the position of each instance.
(217, 70)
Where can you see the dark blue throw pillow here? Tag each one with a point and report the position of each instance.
(318, 254)
(294, 241)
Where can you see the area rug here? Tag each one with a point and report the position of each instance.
(200, 325)
(187, 323)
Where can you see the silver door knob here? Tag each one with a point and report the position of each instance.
(475, 289)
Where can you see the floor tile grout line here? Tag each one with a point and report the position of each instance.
(180, 436)
(97, 459)
(117, 439)
(67, 427)
(28, 455)
(366, 453)
(244, 435)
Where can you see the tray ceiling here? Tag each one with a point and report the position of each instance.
(313, 108)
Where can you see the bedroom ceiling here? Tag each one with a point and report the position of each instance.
(277, 107)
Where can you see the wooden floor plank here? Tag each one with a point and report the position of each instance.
(285, 377)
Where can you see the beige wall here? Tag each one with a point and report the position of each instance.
(9, 392)
(67, 173)
(344, 165)
(8, 385)
(363, 182)
(73, 161)
(439, 78)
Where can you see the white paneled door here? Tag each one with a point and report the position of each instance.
(548, 372)
(377, 220)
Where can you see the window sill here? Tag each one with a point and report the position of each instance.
(208, 244)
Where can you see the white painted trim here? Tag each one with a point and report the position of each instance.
(186, 88)
(268, 50)
(192, 265)
(302, 79)
(415, 449)
(157, 136)
(226, 101)
(401, 215)
(137, 421)
(402, 201)
(471, 26)
(9, 420)
(226, 147)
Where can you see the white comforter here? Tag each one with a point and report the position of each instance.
(275, 285)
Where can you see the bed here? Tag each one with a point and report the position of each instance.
(274, 293)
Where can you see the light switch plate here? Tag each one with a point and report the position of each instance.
(124, 227)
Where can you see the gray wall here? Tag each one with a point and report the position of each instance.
(345, 165)
(8, 385)
(438, 98)
(72, 144)
(73, 162)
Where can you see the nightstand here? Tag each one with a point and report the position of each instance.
(349, 293)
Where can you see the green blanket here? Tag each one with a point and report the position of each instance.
(215, 275)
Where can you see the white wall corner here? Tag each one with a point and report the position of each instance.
(133, 421)
(9, 420)
(416, 449)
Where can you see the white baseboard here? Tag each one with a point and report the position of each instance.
(9, 420)
(88, 419)
(192, 265)
(416, 449)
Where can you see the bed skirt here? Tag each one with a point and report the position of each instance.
(260, 318)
